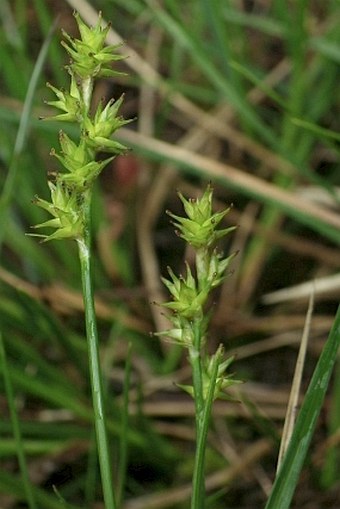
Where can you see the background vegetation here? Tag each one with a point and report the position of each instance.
(243, 94)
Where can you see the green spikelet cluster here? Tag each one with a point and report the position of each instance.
(71, 188)
(189, 314)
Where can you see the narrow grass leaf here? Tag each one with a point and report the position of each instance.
(330, 469)
(319, 131)
(258, 82)
(296, 385)
(264, 24)
(12, 485)
(9, 185)
(326, 48)
(27, 487)
(288, 475)
(37, 447)
(48, 393)
(55, 54)
(202, 60)
(9, 26)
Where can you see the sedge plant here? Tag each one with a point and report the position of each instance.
(210, 378)
(70, 208)
(71, 189)
(190, 318)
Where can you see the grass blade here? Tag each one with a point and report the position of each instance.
(287, 478)
(11, 484)
(296, 385)
(16, 428)
(198, 54)
(9, 185)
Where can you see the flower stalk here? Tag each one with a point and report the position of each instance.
(95, 374)
(71, 190)
(190, 318)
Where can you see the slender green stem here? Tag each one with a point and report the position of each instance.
(198, 485)
(196, 364)
(197, 499)
(95, 371)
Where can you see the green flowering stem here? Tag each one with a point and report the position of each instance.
(202, 428)
(190, 318)
(196, 364)
(71, 188)
(84, 246)
(198, 491)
